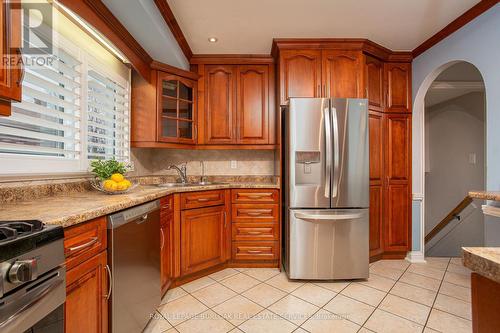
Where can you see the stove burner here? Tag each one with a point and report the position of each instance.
(14, 229)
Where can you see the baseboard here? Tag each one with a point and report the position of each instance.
(415, 257)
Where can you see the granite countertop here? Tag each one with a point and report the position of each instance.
(485, 195)
(72, 208)
(483, 260)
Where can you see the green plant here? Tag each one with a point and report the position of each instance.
(105, 168)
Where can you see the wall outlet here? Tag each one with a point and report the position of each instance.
(234, 164)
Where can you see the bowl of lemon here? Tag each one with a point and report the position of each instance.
(110, 177)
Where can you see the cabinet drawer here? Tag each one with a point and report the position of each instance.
(254, 213)
(257, 250)
(83, 241)
(255, 195)
(202, 199)
(255, 231)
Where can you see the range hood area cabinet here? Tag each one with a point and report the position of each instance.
(361, 69)
(236, 104)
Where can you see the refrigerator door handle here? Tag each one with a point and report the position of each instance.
(336, 156)
(322, 217)
(328, 139)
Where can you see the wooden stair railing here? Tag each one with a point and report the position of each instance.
(450, 217)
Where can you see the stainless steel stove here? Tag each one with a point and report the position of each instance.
(32, 277)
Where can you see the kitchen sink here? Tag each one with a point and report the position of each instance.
(189, 184)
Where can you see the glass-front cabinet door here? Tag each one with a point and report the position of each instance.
(177, 109)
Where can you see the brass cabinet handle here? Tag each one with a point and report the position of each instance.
(254, 251)
(258, 213)
(225, 219)
(256, 195)
(203, 199)
(254, 232)
(92, 241)
(162, 238)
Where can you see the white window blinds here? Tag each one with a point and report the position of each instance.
(47, 121)
(107, 118)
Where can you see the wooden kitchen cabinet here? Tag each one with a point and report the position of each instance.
(220, 104)
(252, 111)
(164, 109)
(300, 74)
(398, 87)
(398, 183)
(342, 74)
(86, 308)
(374, 80)
(203, 238)
(176, 109)
(376, 126)
(10, 43)
(236, 104)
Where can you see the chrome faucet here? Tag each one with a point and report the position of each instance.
(181, 171)
(203, 178)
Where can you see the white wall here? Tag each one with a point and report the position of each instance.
(454, 129)
(478, 43)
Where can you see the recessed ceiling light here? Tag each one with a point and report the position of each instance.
(212, 39)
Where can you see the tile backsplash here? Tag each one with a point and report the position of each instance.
(217, 162)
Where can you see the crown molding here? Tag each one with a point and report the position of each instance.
(456, 24)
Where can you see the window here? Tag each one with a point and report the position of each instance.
(74, 108)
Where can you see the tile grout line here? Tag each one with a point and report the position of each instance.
(437, 293)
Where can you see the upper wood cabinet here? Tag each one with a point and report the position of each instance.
(236, 104)
(342, 73)
(374, 78)
(176, 109)
(10, 42)
(220, 104)
(398, 87)
(164, 110)
(300, 74)
(252, 112)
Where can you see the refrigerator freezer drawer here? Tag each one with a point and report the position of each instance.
(328, 244)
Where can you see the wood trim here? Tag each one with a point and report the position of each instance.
(359, 44)
(456, 24)
(450, 217)
(169, 18)
(232, 59)
(154, 144)
(174, 70)
(102, 19)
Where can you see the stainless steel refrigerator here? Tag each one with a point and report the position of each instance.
(326, 188)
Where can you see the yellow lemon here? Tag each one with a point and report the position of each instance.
(127, 183)
(120, 186)
(117, 177)
(123, 185)
(109, 185)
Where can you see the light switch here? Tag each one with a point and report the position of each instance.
(234, 164)
(472, 158)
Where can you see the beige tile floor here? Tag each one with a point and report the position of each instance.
(398, 297)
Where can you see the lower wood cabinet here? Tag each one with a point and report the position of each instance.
(203, 238)
(86, 308)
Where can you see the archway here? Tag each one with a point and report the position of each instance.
(419, 156)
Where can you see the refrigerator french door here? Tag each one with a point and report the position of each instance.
(326, 188)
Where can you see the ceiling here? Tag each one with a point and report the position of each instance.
(458, 80)
(248, 27)
(145, 23)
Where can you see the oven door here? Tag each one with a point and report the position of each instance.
(37, 307)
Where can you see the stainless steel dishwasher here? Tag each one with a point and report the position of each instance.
(134, 258)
